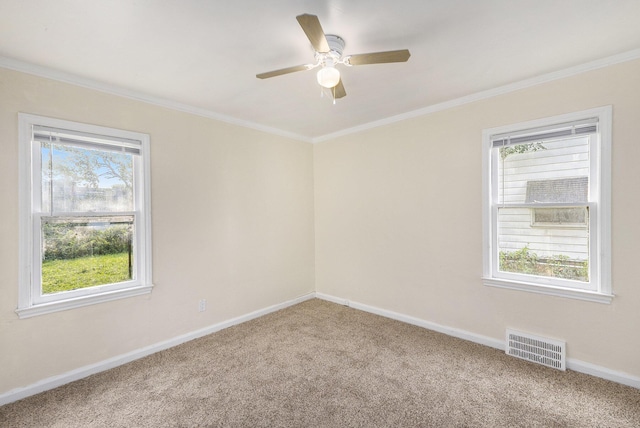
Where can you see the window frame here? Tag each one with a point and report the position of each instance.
(599, 212)
(31, 301)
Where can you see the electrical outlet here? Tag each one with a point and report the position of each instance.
(202, 305)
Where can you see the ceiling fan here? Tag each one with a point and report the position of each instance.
(328, 54)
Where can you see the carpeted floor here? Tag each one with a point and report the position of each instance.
(318, 364)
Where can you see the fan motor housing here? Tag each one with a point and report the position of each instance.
(336, 45)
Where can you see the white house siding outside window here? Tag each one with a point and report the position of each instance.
(546, 205)
(85, 230)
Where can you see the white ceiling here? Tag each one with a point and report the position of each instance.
(204, 54)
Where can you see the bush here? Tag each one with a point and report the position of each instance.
(69, 241)
(559, 266)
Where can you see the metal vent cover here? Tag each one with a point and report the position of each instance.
(537, 349)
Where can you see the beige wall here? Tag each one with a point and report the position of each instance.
(397, 225)
(398, 220)
(232, 223)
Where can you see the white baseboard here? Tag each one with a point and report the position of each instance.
(603, 372)
(450, 331)
(82, 372)
(572, 364)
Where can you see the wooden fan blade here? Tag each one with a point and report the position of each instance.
(312, 28)
(338, 91)
(380, 57)
(282, 71)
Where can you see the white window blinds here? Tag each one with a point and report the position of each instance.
(46, 134)
(580, 127)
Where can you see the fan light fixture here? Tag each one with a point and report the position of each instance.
(328, 76)
(328, 54)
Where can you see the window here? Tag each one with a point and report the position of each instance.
(85, 230)
(560, 190)
(559, 217)
(546, 205)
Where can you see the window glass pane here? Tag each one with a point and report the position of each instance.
(559, 216)
(84, 180)
(46, 161)
(80, 252)
(542, 251)
(546, 171)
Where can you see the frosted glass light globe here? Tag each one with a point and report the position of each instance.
(328, 76)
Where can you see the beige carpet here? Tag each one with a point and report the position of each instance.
(319, 364)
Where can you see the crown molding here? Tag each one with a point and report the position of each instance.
(49, 73)
(490, 93)
(61, 76)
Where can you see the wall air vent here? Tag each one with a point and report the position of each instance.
(541, 350)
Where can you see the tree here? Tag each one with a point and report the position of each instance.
(520, 148)
(88, 167)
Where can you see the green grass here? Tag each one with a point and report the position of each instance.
(83, 272)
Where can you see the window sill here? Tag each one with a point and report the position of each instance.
(590, 296)
(63, 305)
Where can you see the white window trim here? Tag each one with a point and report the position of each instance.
(603, 293)
(27, 301)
